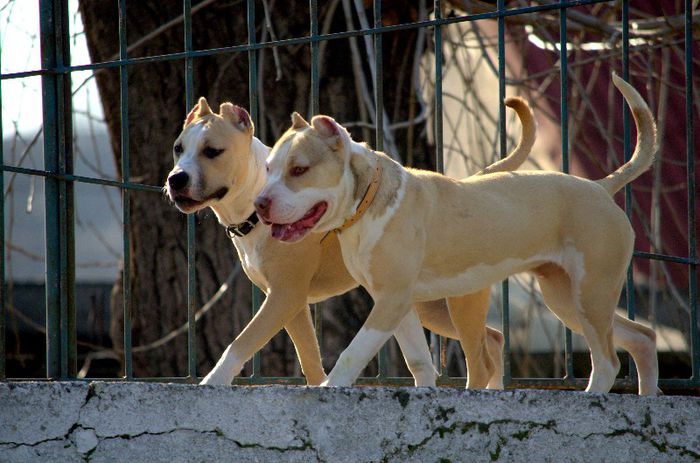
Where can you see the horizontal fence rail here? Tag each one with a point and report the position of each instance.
(60, 180)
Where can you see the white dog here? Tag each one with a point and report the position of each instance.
(221, 165)
(409, 235)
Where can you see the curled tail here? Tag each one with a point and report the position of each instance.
(527, 138)
(644, 152)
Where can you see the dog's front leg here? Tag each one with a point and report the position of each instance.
(388, 312)
(276, 312)
(301, 330)
(411, 339)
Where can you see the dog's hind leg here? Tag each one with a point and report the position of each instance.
(631, 336)
(588, 312)
(597, 329)
(468, 314)
(301, 330)
(640, 342)
(494, 343)
(414, 347)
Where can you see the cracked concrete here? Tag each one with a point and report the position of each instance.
(172, 423)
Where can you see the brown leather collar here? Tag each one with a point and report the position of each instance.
(364, 204)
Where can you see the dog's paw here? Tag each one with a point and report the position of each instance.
(216, 379)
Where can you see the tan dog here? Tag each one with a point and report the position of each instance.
(220, 164)
(426, 236)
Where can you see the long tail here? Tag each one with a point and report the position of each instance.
(644, 152)
(527, 138)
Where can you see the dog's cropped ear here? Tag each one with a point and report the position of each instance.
(238, 116)
(190, 117)
(200, 109)
(298, 122)
(329, 130)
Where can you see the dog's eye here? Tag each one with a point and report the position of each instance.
(211, 153)
(297, 171)
(177, 149)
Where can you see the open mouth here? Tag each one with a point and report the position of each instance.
(188, 204)
(295, 231)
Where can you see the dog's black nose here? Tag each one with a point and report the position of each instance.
(262, 205)
(178, 181)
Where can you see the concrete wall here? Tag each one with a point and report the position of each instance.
(172, 423)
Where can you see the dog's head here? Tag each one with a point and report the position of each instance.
(309, 183)
(211, 156)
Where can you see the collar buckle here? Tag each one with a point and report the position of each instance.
(243, 228)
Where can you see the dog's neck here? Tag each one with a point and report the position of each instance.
(236, 208)
(363, 166)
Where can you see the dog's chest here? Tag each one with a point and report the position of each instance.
(357, 256)
(251, 254)
(359, 242)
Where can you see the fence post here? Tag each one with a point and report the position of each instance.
(505, 289)
(3, 294)
(191, 229)
(690, 159)
(58, 160)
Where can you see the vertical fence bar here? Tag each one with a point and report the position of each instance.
(253, 97)
(439, 149)
(379, 129)
(3, 294)
(315, 109)
(67, 202)
(690, 156)
(58, 194)
(126, 203)
(505, 290)
(313, 14)
(564, 112)
(52, 229)
(191, 230)
(439, 159)
(627, 153)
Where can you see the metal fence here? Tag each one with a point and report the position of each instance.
(59, 178)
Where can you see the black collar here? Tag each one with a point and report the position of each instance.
(243, 228)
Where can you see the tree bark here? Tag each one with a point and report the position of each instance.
(156, 97)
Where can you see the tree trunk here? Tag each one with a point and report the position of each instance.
(156, 93)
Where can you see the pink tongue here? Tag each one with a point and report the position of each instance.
(282, 231)
(288, 231)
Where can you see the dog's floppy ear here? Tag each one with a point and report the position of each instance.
(200, 109)
(328, 129)
(238, 116)
(298, 122)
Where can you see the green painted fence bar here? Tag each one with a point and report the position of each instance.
(253, 97)
(315, 79)
(564, 124)
(502, 139)
(379, 131)
(315, 109)
(3, 294)
(191, 229)
(439, 148)
(67, 206)
(126, 210)
(58, 195)
(59, 179)
(690, 161)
